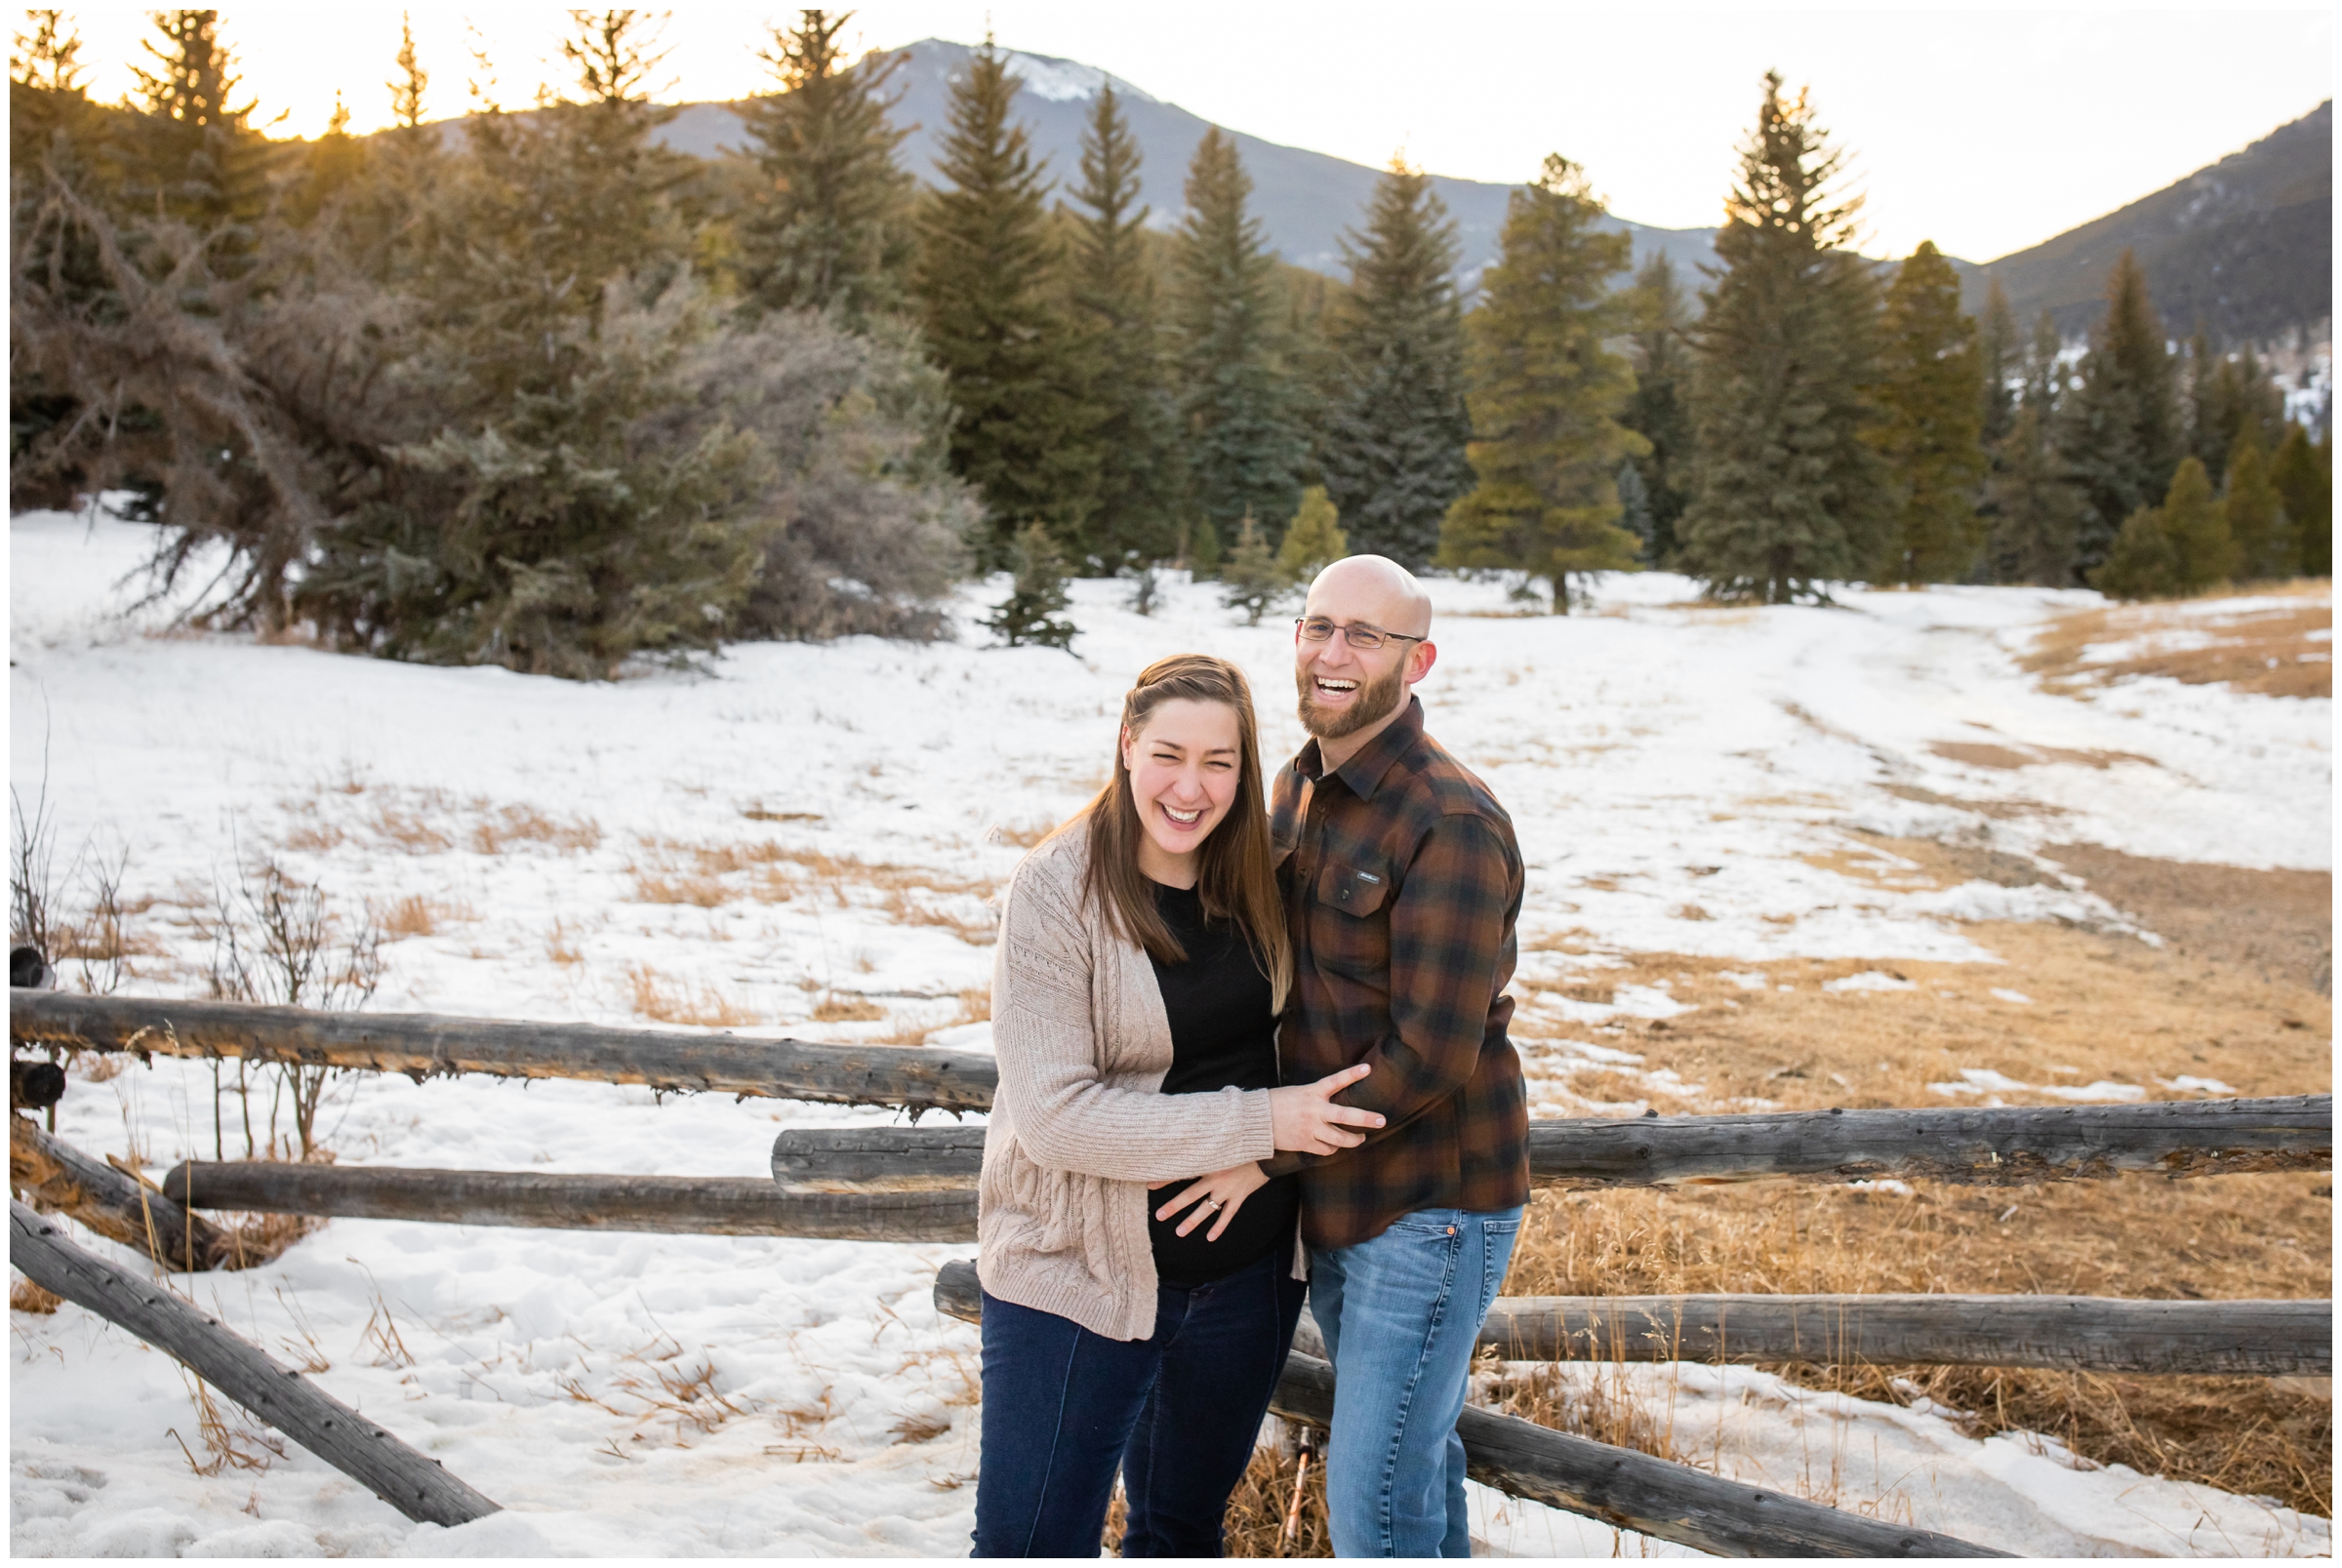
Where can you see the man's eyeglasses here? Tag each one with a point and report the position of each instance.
(1362, 638)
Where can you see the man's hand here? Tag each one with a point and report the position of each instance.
(1306, 1121)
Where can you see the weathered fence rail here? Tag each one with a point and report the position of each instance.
(414, 1485)
(1618, 1486)
(718, 1206)
(2074, 1333)
(2000, 1146)
(61, 1177)
(425, 1045)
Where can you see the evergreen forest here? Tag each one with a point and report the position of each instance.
(518, 385)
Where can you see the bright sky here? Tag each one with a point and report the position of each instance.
(1986, 129)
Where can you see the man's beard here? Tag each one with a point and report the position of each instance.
(1375, 700)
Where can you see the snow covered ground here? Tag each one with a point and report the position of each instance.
(807, 833)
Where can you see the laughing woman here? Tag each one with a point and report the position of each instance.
(1142, 965)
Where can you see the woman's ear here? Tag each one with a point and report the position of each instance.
(1124, 743)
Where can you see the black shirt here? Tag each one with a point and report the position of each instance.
(1223, 1032)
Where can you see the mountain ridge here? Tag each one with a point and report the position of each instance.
(2244, 245)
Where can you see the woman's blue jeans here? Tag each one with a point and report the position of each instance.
(1178, 1411)
(1400, 1314)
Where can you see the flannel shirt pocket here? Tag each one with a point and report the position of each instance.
(1350, 890)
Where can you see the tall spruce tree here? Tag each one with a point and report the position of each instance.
(408, 87)
(2123, 431)
(987, 280)
(1393, 452)
(2000, 362)
(1660, 411)
(2255, 515)
(1127, 387)
(1790, 494)
(1931, 394)
(2036, 508)
(830, 225)
(195, 155)
(1243, 447)
(2306, 485)
(1546, 395)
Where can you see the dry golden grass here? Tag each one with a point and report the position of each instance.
(561, 947)
(711, 875)
(418, 916)
(526, 825)
(652, 886)
(2237, 994)
(672, 1001)
(2273, 650)
(24, 1296)
(841, 1008)
(410, 830)
(314, 839)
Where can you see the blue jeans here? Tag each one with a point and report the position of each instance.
(1178, 1411)
(1402, 1312)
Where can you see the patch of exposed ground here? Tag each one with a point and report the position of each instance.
(2231, 1003)
(2277, 650)
(2277, 924)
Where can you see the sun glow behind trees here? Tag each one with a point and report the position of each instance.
(548, 395)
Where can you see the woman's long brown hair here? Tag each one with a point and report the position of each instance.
(1235, 869)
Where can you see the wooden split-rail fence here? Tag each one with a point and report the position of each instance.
(917, 1184)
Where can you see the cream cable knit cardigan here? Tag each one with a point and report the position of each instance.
(1078, 1125)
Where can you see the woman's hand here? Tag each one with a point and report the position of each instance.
(1217, 1197)
(1306, 1121)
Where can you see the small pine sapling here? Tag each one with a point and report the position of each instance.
(1314, 539)
(2180, 547)
(1255, 580)
(2255, 514)
(1203, 551)
(1031, 614)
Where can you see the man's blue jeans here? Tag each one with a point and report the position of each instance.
(1400, 1314)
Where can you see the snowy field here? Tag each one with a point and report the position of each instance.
(800, 840)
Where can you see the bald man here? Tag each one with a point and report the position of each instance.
(1403, 883)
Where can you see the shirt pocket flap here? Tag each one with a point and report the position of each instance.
(1350, 890)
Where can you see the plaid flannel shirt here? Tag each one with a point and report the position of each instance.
(1402, 884)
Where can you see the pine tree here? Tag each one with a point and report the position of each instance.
(986, 286)
(1392, 452)
(49, 109)
(1203, 550)
(1127, 387)
(1033, 609)
(412, 81)
(1634, 507)
(1253, 577)
(1788, 493)
(1660, 411)
(1931, 395)
(335, 162)
(1545, 394)
(1314, 540)
(2123, 435)
(1244, 451)
(196, 155)
(2255, 515)
(2305, 486)
(2001, 361)
(2179, 547)
(830, 229)
(2036, 510)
